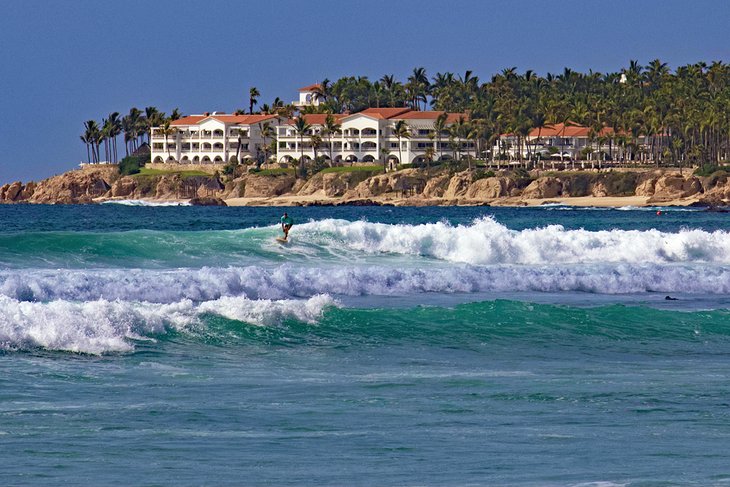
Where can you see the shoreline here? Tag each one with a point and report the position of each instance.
(516, 202)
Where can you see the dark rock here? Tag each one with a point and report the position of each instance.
(207, 202)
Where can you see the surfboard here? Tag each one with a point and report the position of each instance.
(281, 240)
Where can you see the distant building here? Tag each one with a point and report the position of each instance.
(211, 138)
(561, 141)
(364, 137)
(367, 136)
(307, 96)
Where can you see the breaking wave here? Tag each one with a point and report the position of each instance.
(145, 203)
(103, 326)
(293, 282)
(488, 242)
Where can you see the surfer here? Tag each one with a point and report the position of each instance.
(286, 224)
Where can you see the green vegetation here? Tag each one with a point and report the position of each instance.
(162, 172)
(482, 174)
(277, 171)
(683, 116)
(132, 165)
(707, 170)
(338, 169)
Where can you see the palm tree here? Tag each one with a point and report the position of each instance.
(167, 130)
(105, 137)
(301, 127)
(316, 141)
(86, 141)
(419, 86)
(429, 155)
(115, 128)
(322, 91)
(439, 126)
(253, 94)
(153, 118)
(330, 128)
(267, 131)
(384, 153)
(401, 131)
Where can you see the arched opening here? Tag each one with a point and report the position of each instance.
(206, 159)
(217, 133)
(171, 159)
(206, 146)
(392, 163)
(368, 158)
(419, 161)
(367, 146)
(369, 132)
(185, 160)
(351, 158)
(218, 146)
(196, 159)
(218, 159)
(158, 159)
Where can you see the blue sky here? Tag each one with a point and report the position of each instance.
(64, 62)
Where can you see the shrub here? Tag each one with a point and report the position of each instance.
(230, 168)
(482, 174)
(706, 170)
(132, 164)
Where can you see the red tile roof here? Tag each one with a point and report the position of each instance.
(316, 118)
(225, 118)
(567, 130)
(431, 115)
(310, 87)
(381, 113)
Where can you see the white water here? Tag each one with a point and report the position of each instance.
(103, 326)
(145, 203)
(287, 281)
(488, 242)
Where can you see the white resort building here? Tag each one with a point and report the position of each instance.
(565, 142)
(368, 136)
(307, 97)
(213, 138)
(364, 137)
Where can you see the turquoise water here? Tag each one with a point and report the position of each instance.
(382, 346)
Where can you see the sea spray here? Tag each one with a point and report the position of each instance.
(289, 281)
(488, 242)
(102, 326)
(484, 242)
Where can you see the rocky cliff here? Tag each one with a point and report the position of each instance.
(410, 186)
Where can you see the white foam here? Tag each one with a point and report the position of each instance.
(102, 326)
(289, 282)
(488, 242)
(145, 203)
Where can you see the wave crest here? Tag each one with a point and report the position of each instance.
(489, 242)
(103, 326)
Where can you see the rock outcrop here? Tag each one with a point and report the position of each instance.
(410, 186)
(257, 186)
(547, 187)
(674, 187)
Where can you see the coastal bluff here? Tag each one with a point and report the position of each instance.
(417, 187)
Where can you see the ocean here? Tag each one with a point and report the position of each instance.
(439, 346)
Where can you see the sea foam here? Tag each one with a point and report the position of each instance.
(489, 242)
(104, 326)
(294, 282)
